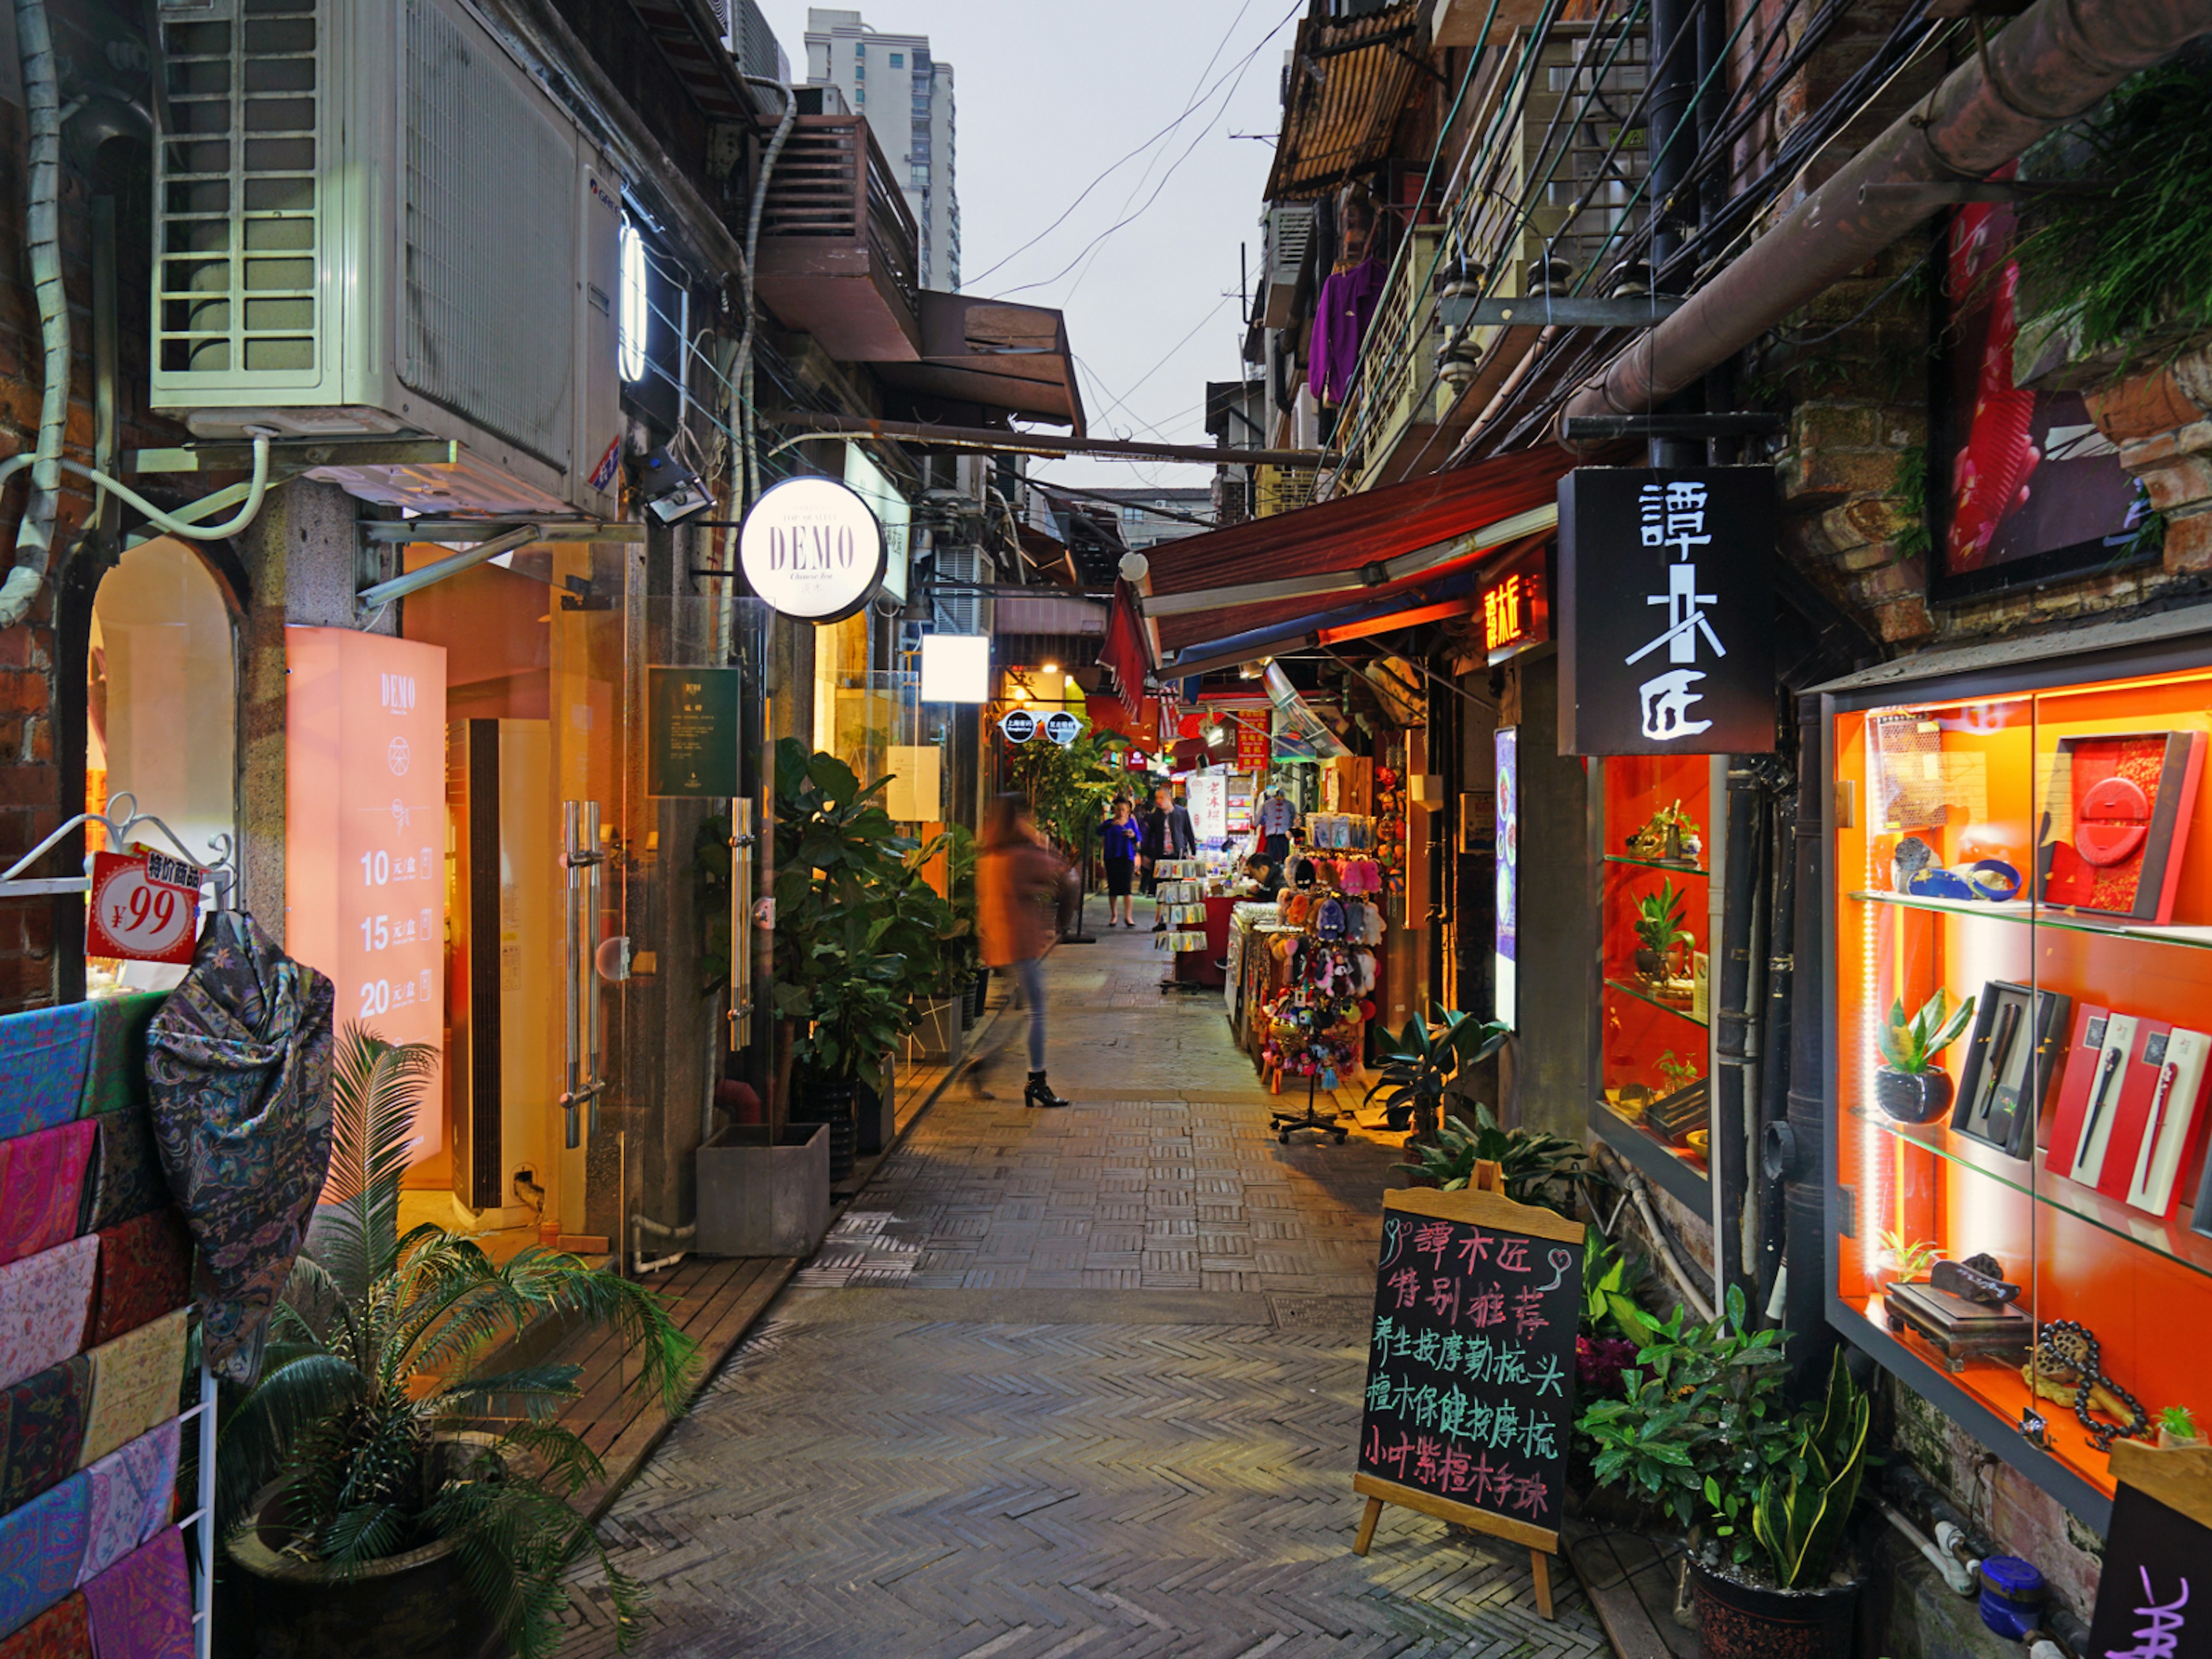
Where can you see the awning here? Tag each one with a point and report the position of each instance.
(993, 354)
(1344, 90)
(1381, 545)
(1124, 655)
(1454, 594)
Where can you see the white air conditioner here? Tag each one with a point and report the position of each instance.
(1288, 232)
(371, 220)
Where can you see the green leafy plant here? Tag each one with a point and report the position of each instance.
(1609, 1280)
(1659, 919)
(1910, 1259)
(1704, 1401)
(376, 1416)
(1801, 1504)
(1536, 1168)
(1418, 1062)
(2179, 1422)
(1068, 787)
(1912, 1045)
(1679, 1073)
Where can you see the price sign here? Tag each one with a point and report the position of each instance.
(145, 908)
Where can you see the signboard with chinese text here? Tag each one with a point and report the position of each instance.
(691, 722)
(1062, 728)
(1517, 612)
(1254, 743)
(1471, 1360)
(1666, 611)
(1018, 725)
(145, 908)
(365, 834)
(2159, 1542)
(1505, 830)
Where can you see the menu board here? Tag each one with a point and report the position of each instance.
(692, 723)
(1471, 1361)
(2159, 1541)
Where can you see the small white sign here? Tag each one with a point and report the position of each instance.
(812, 549)
(1019, 724)
(1063, 728)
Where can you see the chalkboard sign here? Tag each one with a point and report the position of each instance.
(1470, 1364)
(2155, 1595)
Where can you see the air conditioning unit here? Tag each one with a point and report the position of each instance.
(369, 219)
(1289, 233)
(961, 609)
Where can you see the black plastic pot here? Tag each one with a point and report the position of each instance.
(1736, 1620)
(1650, 963)
(1913, 1096)
(979, 992)
(829, 1100)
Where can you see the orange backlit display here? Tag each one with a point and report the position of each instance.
(365, 833)
(1514, 614)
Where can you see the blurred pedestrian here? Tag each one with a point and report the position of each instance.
(1016, 878)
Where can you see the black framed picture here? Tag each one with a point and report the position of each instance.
(2022, 489)
(2018, 1032)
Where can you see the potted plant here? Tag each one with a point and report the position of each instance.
(1909, 1084)
(1765, 1586)
(1538, 1169)
(1658, 930)
(1417, 1063)
(1907, 1259)
(2177, 1427)
(391, 1483)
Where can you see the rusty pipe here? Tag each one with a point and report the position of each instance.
(2051, 63)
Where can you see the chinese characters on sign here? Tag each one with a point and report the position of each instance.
(1515, 612)
(693, 715)
(145, 908)
(2155, 1554)
(1470, 1367)
(1666, 611)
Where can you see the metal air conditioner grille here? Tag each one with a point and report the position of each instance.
(959, 609)
(491, 205)
(236, 191)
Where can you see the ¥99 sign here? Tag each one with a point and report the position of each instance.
(138, 915)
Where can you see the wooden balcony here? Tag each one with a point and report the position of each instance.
(839, 253)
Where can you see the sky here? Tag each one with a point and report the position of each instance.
(1050, 95)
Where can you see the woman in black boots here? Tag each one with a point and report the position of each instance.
(1017, 880)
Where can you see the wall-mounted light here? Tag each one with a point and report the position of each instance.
(631, 319)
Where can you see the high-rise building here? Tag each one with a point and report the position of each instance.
(906, 93)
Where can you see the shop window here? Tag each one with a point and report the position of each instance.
(160, 712)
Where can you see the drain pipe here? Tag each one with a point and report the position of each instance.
(748, 481)
(680, 1236)
(2051, 64)
(34, 533)
(1631, 1180)
(1955, 1572)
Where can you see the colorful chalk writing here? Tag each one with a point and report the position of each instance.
(1470, 1366)
(2144, 1606)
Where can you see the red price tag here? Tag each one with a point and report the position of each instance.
(137, 914)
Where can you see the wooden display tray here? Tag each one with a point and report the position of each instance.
(1958, 1329)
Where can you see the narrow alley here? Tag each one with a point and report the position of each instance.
(1080, 1383)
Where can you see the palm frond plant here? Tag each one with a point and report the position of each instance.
(1418, 1062)
(382, 1420)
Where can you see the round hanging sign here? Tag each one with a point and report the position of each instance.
(1019, 724)
(1063, 728)
(811, 549)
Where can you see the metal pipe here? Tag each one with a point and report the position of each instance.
(1953, 1570)
(646, 1223)
(1032, 443)
(452, 565)
(2051, 64)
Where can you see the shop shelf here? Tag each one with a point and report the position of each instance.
(2171, 1238)
(1680, 1171)
(2023, 912)
(1658, 864)
(1673, 1008)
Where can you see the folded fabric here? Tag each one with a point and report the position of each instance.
(141, 1607)
(42, 1188)
(123, 1180)
(135, 1381)
(42, 1546)
(45, 1433)
(115, 1072)
(134, 1494)
(63, 1631)
(42, 1064)
(145, 1270)
(238, 1061)
(43, 1302)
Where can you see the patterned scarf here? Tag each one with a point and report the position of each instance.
(240, 1062)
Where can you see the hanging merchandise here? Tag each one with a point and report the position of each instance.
(240, 1058)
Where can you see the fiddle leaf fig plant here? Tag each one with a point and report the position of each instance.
(1911, 1045)
(1418, 1062)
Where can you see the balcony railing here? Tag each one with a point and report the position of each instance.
(839, 250)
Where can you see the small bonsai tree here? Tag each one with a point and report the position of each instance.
(1911, 1045)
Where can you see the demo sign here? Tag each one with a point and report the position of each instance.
(812, 549)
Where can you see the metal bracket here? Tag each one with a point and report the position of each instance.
(290, 456)
(479, 530)
(1639, 311)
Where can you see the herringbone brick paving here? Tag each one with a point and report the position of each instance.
(1072, 1385)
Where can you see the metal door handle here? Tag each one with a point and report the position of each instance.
(742, 841)
(584, 1014)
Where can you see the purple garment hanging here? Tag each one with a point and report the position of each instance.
(1341, 319)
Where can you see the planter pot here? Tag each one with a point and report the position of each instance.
(1737, 1620)
(764, 1197)
(1649, 965)
(979, 993)
(936, 1033)
(828, 1101)
(1912, 1096)
(874, 1112)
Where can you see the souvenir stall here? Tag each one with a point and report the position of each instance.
(2018, 893)
(1312, 1022)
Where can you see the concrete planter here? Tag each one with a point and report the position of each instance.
(763, 1198)
(936, 1033)
(874, 1116)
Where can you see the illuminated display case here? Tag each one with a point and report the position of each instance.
(2035, 840)
(1658, 852)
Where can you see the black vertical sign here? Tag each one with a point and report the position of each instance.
(1471, 1361)
(1665, 611)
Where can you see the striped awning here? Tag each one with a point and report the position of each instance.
(1348, 81)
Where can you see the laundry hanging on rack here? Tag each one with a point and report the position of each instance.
(240, 1063)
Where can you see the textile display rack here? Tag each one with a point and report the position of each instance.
(95, 1265)
(1315, 1027)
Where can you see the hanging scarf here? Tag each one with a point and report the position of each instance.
(141, 1607)
(42, 1187)
(134, 1491)
(134, 1384)
(41, 1547)
(240, 1060)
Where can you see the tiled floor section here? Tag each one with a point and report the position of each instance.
(1069, 1385)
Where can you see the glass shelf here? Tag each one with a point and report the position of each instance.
(2024, 912)
(1689, 1157)
(2171, 1236)
(1658, 864)
(1675, 1009)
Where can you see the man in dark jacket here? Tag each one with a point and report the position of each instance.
(1168, 835)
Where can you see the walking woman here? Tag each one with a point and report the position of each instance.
(1017, 878)
(1122, 836)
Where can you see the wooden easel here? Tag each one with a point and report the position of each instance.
(1482, 1202)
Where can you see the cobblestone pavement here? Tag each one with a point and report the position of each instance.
(1074, 1385)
